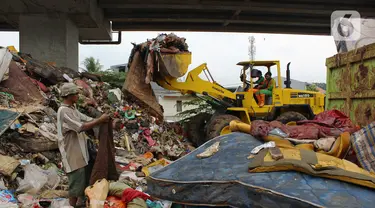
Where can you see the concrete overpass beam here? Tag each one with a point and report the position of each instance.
(50, 38)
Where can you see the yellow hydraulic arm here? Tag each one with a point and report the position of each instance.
(195, 85)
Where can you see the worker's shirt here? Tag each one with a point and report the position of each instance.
(269, 84)
(71, 140)
(260, 81)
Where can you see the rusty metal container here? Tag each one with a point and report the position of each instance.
(351, 84)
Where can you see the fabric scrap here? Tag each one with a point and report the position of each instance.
(129, 194)
(363, 143)
(105, 166)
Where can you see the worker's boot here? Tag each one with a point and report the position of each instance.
(258, 98)
(262, 98)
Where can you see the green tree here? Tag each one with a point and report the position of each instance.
(92, 64)
(312, 87)
(115, 79)
(200, 106)
(321, 85)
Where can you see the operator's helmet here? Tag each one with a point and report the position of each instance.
(255, 73)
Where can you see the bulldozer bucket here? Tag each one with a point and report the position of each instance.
(135, 86)
(174, 65)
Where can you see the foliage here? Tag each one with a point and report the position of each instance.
(321, 85)
(200, 106)
(312, 87)
(92, 65)
(115, 79)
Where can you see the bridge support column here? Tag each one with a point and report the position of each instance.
(50, 38)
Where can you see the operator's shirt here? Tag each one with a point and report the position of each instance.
(72, 141)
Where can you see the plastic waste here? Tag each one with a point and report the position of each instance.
(27, 200)
(8, 165)
(60, 202)
(210, 151)
(15, 125)
(152, 204)
(147, 135)
(116, 92)
(263, 146)
(7, 197)
(97, 193)
(67, 78)
(36, 179)
(24, 162)
(114, 202)
(130, 114)
(2, 184)
(278, 132)
(155, 166)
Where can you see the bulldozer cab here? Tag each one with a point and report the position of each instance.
(250, 71)
(253, 72)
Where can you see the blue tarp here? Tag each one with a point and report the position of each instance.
(224, 180)
(7, 117)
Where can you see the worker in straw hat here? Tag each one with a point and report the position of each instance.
(72, 141)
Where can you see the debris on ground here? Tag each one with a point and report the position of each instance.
(31, 173)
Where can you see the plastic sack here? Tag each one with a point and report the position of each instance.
(8, 165)
(278, 132)
(53, 178)
(114, 202)
(27, 200)
(97, 193)
(60, 202)
(34, 180)
(37, 179)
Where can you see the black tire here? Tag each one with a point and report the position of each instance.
(196, 128)
(290, 116)
(217, 123)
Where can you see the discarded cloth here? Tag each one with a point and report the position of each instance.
(104, 166)
(363, 143)
(129, 194)
(305, 130)
(312, 163)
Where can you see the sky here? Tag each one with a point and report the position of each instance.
(222, 51)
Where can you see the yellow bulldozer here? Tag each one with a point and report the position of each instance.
(286, 104)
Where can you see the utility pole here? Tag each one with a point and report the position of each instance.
(252, 48)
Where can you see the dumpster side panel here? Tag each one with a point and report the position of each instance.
(351, 84)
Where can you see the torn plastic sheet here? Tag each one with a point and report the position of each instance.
(263, 146)
(7, 118)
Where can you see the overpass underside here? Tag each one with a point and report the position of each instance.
(263, 16)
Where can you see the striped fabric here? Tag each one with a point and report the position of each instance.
(363, 143)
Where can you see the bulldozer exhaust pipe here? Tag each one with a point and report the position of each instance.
(287, 82)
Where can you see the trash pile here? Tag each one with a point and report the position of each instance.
(328, 133)
(30, 163)
(150, 50)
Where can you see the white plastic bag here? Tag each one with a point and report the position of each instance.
(60, 202)
(34, 180)
(53, 178)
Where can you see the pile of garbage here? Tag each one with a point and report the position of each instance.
(29, 92)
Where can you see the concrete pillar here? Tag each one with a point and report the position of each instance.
(50, 38)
